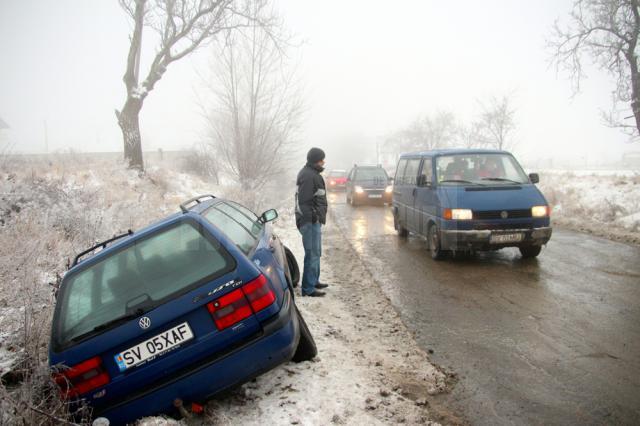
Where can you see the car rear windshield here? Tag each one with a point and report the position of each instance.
(137, 278)
(371, 174)
(480, 169)
(337, 173)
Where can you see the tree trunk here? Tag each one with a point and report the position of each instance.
(129, 122)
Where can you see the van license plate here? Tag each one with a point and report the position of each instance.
(154, 347)
(375, 195)
(506, 238)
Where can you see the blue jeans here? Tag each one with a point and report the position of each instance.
(312, 242)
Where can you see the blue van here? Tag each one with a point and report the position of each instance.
(467, 200)
(178, 311)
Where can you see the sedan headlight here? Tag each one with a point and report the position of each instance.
(458, 214)
(358, 189)
(540, 211)
(389, 189)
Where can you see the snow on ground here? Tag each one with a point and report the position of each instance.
(605, 203)
(369, 368)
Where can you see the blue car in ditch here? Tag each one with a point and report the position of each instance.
(174, 313)
(464, 200)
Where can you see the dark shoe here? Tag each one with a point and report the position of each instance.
(322, 285)
(315, 294)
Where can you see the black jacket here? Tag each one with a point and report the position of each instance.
(311, 197)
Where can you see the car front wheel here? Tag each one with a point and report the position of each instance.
(306, 349)
(433, 241)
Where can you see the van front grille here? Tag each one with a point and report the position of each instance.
(502, 214)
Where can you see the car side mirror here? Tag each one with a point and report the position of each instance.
(269, 215)
(534, 177)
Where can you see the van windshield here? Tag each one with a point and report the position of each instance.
(137, 278)
(479, 169)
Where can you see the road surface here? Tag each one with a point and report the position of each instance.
(553, 340)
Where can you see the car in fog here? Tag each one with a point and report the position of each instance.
(368, 185)
(176, 312)
(469, 200)
(336, 180)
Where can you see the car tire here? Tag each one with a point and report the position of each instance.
(306, 349)
(529, 252)
(292, 265)
(402, 231)
(433, 241)
(354, 203)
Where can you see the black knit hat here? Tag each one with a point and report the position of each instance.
(314, 155)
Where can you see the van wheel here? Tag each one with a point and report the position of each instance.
(306, 349)
(433, 240)
(530, 251)
(402, 231)
(292, 266)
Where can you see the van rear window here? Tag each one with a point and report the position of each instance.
(138, 278)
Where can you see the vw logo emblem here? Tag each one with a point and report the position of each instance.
(144, 323)
(504, 214)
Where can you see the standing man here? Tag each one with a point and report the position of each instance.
(311, 214)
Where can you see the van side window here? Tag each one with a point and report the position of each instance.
(411, 171)
(399, 171)
(427, 171)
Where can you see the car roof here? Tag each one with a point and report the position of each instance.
(367, 166)
(453, 151)
(197, 209)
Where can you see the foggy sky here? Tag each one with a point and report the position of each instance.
(369, 67)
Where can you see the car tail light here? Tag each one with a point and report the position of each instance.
(229, 309)
(259, 293)
(82, 378)
(241, 303)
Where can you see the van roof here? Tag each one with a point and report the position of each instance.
(438, 152)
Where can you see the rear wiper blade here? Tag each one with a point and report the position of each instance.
(110, 323)
(120, 319)
(503, 180)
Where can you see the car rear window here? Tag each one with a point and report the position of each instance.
(371, 173)
(338, 174)
(143, 275)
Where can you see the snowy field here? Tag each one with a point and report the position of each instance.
(602, 202)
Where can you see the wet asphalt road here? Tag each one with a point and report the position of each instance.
(554, 340)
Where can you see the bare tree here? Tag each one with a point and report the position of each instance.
(181, 27)
(469, 136)
(496, 123)
(257, 106)
(426, 133)
(607, 32)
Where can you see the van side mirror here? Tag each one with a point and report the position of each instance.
(269, 216)
(534, 177)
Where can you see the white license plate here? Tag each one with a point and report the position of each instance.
(506, 238)
(153, 347)
(375, 195)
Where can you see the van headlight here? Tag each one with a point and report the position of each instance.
(358, 189)
(539, 211)
(458, 214)
(388, 189)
